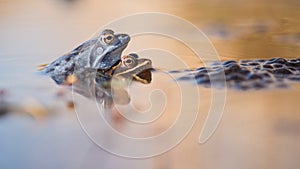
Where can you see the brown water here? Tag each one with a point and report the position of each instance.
(259, 129)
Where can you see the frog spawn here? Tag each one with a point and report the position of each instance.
(247, 74)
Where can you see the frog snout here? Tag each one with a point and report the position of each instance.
(124, 38)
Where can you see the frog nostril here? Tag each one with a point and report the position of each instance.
(124, 38)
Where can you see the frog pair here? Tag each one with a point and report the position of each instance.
(92, 67)
(103, 56)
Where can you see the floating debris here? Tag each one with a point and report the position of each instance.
(71, 79)
(70, 105)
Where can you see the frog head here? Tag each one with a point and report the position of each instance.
(108, 49)
(133, 67)
(99, 53)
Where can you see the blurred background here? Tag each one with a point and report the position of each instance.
(38, 125)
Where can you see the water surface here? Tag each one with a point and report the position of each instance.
(259, 129)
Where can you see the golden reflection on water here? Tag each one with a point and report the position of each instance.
(259, 129)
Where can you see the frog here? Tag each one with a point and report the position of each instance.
(110, 85)
(99, 53)
(138, 69)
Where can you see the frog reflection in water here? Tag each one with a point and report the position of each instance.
(90, 67)
(108, 86)
(130, 68)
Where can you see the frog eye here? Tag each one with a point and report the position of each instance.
(108, 39)
(129, 62)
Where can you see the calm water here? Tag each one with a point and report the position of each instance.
(259, 129)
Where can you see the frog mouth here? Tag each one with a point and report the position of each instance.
(144, 76)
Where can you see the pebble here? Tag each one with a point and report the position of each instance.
(3, 92)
